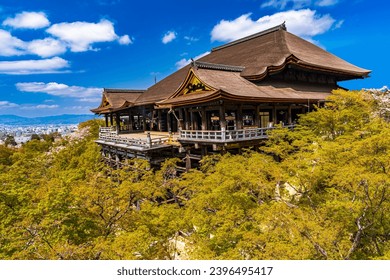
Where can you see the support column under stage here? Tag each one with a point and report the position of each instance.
(188, 160)
(289, 115)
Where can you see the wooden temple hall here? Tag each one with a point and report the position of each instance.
(223, 101)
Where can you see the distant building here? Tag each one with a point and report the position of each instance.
(225, 100)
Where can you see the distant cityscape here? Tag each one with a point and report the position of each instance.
(22, 134)
(22, 129)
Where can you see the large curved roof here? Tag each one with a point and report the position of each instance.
(259, 55)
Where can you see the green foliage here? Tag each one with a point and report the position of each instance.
(10, 141)
(317, 192)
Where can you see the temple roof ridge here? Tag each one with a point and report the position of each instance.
(216, 66)
(250, 37)
(113, 90)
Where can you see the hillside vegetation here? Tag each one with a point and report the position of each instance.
(318, 192)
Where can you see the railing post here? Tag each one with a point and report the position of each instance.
(148, 140)
(223, 133)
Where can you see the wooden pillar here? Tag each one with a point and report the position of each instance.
(239, 117)
(222, 120)
(111, 120)
(187, 118)
(159, 124)
(203, 150)
(192, 123)
(257, 116)
(106, 119)
(289, 115)
(188, 160)
(169, 126)
(118, 122)
(181, 119)
(138, 119)
(152, 113)
(130, 120)
(204, 118)
(144, 118)
(274, 114)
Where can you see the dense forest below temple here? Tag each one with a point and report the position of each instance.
(320, 191)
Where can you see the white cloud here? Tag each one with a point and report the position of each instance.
(44, 106)
(7, 104)
(304, 23)
(47, 47)
(282, 4)
(325, 3)
(297, 4)
(52, 65)
(169, 37)
(339, 24)
(80, 36)
(191, 39)
(125, 40)
(90, 94)
(12, 46)
(183, 62)
(9, 45)
(31, 20)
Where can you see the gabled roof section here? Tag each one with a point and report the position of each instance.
(192, 85)
(229, 85)
(116, 99)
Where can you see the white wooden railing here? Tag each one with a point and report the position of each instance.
(226, 135)
(109, 134)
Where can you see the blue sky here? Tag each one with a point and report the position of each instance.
(57, 56)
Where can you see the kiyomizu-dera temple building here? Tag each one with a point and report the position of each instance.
(223, 101)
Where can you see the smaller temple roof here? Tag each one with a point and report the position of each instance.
(116, 99)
